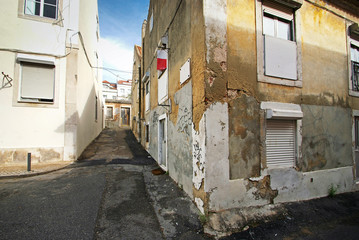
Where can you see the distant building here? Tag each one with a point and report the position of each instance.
(124, 89)
(118, 112)
(109, 90)
(117, 91)
(136, 86)
(117, 101)
(50, 96)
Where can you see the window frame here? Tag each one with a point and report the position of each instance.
(107, 110)
(282, 111)
(147, 96)
(352, 40)
(17, 101)
(21, 13)
(21, 80)
(296, 33)
(355, 140)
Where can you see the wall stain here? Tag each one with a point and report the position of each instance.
(263, 189)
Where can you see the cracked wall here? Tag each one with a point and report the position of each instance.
(326, 138)
(244, 137)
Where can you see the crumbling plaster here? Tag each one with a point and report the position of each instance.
(326, 138)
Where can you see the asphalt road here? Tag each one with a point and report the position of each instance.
(110, 194)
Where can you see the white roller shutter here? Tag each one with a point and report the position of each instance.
(280, 143)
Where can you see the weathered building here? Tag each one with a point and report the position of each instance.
(135, 90)
(247, 103)
(51, 104)
(118, 113)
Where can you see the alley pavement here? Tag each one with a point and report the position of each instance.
(117, 191)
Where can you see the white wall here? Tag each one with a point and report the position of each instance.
(32, 126)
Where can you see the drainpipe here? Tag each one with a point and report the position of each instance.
(139, 102)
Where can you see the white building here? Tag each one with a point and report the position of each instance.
(109, 90)
(50, 99)
(124, 89)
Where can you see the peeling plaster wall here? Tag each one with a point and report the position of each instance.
(244, 137)
(38, 155)
(327, 138)
(295, 186)
(180, 140)
(222, 192)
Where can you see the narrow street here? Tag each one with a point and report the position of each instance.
(116, 191)
(111, 193)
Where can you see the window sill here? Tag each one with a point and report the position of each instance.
(353, 93)
(280, 81)
(22, 103)
(37, 18)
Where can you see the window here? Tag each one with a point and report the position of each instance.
(356, 129)
(109, 112)
(37, 82)
(147, 99)
(147, 133)
(282, 130)
(356, 141)
(96, 108)
(42, 8)
(162, 73)
(278, 50)
(280, 143)
(354, 59)
(151, 22)
(277, 27)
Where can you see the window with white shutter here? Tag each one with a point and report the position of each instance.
(281, 143)
(37, 82)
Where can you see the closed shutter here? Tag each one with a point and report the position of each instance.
(37, 81)
(280, 143)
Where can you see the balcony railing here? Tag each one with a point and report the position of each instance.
(355, 75)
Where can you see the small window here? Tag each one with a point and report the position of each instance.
(42, 8)
(96, 108)
(109, 112)
(147, 133)
(354, 57)
(151, 22)
(277, 27)
(356, 129)
(147, 99)
(280, 49)
(37, 82)
(280, 143)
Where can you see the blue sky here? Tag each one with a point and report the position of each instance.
(120, 29)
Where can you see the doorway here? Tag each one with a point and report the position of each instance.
(162, 142)
(125, 116)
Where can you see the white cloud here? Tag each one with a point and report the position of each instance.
(117, 56)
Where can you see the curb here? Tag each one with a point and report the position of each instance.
(26, 175)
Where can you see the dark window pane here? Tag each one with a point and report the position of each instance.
(53, 2)
(49, 11)
(356, 121)
(37, 9)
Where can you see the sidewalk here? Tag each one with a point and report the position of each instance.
(103, 147)
(15, 171)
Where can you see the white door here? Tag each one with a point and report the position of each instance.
(162, 143)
